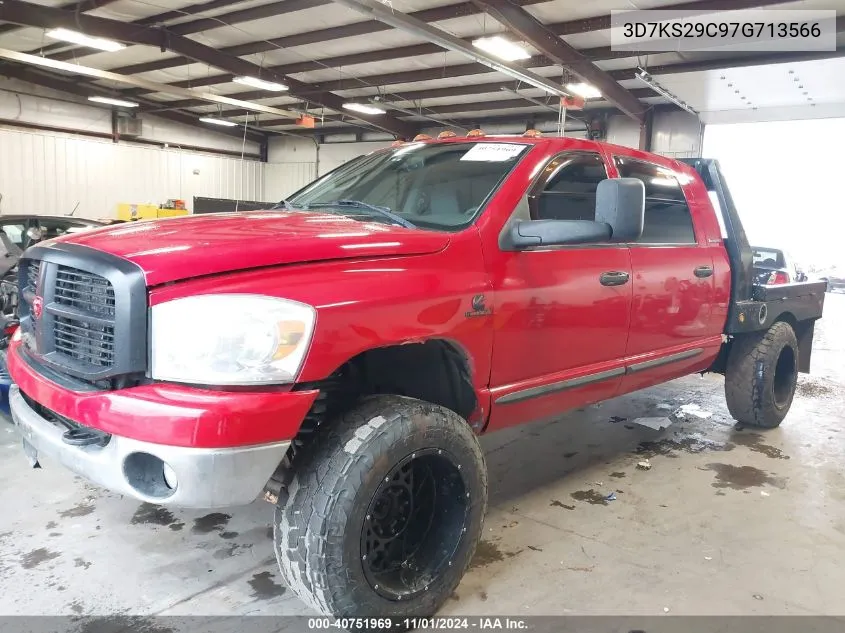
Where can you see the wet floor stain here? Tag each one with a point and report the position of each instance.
(618, 474)
(228, 535)
(270, 532)
(485, 554)
(570, 455)
(116, 623)
(630, 427)
(754, 443)
(264, 587)
(150, 514)
(743, 477)
(79, 510)
(591, 496)
(80, 562)
(77, 607)
(614, 419)
(54, 534)
(560, 504)
(230, 550)
(36, 557)
(483, 596)
(51, 525)
(210, 523)
(669, 447)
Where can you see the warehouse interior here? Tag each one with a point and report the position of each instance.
(174, 107)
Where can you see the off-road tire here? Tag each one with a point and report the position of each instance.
(761, 376)
(319, 518)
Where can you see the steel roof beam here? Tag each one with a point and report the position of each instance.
(24, 13)
(530, 29)
(204, 24)
(366, 27)
(61, 84)
(415, 26)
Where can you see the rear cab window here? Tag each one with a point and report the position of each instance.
(667, 214)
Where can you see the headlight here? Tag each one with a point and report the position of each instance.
(229, 339)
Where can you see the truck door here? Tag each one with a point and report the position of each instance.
(561, 313)
(673, 332)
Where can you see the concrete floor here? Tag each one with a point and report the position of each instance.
(725, 522)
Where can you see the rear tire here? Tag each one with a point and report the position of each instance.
(383, 511)
(761, 376)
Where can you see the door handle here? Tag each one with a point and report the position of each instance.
(613, 278)
(703, 271)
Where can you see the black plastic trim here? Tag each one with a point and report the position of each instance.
(663, 360)
(62, 379)
(130, 322)
(534, 392)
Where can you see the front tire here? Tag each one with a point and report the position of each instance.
(761, 376)
(383, 511)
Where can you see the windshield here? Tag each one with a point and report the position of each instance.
(439, 186)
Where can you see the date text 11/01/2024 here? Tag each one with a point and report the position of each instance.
(439, 623)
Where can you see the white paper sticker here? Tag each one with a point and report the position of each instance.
(493, 152)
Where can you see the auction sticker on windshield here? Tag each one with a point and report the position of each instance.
(493, 152)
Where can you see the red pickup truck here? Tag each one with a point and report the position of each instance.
(342, 352)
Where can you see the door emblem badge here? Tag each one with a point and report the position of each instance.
(37, 307)
(479, 308)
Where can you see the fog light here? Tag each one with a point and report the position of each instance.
(170, 477)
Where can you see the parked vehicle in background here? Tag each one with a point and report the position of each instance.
(773, 266)
(834, 278)
(342, 354)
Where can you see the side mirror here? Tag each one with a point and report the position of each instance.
(557, 232)
(620, 202)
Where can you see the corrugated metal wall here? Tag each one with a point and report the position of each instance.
(283, 179)
(47, 173)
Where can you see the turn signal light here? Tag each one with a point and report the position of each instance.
(532, 134)
(422, 137)
(474, 133)
(446, 134)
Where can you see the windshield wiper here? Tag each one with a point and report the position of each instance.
(382, 211)
(283, 203)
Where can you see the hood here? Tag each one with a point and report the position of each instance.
(181, 248)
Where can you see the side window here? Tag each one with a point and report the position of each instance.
(667, 215)
(570, 190)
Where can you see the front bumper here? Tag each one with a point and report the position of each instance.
(204, 477)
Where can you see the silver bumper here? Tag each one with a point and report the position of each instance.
(198, 477)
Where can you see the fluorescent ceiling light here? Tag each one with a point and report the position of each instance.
(363, 108)
(114, 102)
(501, 48)
(584, 90)
(255, 82)
(216, 121)
(75, 37)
